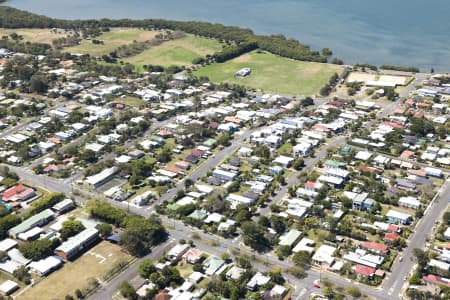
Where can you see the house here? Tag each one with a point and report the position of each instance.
(290, 238)
(310, 190)
(101, 178)
(75, 245)
(360, 256)
(18, 193)
(256, 281)
(439, 264)
(360, 201)
(305, 244)
(364, 271)
(405, 184)
(39, 219)
(324, 255)
(284, 161)
(396, 217)
(409, 202)
(435, 280)
(375, 247)
(235, 273)
(177, 251)
(7, 244)
(45, 266)
(213, 265)
(63, 206)
(224, 175)
(302, 149)
(447, 233)
(192, 256)
(8, 287)
(236, 199)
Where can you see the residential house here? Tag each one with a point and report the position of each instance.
(39, 219)
(396, 217)
(409, 202)
(213, 266)
(177, 251)
(192, 256)
(256, 281)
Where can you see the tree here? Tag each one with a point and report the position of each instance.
(38, 84)
(69, 297)
(140, 234)
(104, 229)
(70, 228)
(3, 255)
(302, 258)
(79, 294)
(283, 251)
(308, 101)
(146, 268)
(22, 274)
(127, 290)
(253, 236)
(354, 291)
(37, 250)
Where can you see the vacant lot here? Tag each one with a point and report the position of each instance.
(111, 40)
(45, 36)
(272, 73)
(73, 275)
(178, 52)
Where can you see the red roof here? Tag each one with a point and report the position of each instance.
(420, 172)
(392, 124)
(320, 128)
(437, 280)
(197, 152)
(379, 273)
(17, 192)
(13, 191)
(410, 102)
(365, 270)
(407, 154)
(375, 246)
(393, 228)
(367, 169)
(391, 236)
(310, 184)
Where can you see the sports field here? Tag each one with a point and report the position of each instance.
(45, 36)
(111, 40)
(178, 52)
(273, 74)
(74, 275)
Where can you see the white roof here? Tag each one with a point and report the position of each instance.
(7, 244)
(363, 155)
(204, 188)
(30, 233)
(324, 254)
(398, 215)
(284, 160)
(45, 265)
(305, 244)
(8, 286)
(95, 179)
(123, 159)
(409, 201)
(213, 218)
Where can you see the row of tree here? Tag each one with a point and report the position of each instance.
(277, 44)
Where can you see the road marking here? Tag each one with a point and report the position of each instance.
(302, 292)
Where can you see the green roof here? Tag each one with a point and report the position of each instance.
(334, 163)
(62, 204)
(77, 240)
(198, 214)
(32, 222)
(173, 206)
(210, 142)
(289, 238)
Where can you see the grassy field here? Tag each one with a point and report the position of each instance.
(112, 39)
(93, 264)
(179, 52)
(34, 35)
(272, 73)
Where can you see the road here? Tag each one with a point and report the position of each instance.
(216, 245)
(394, 283)
(110, 289)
